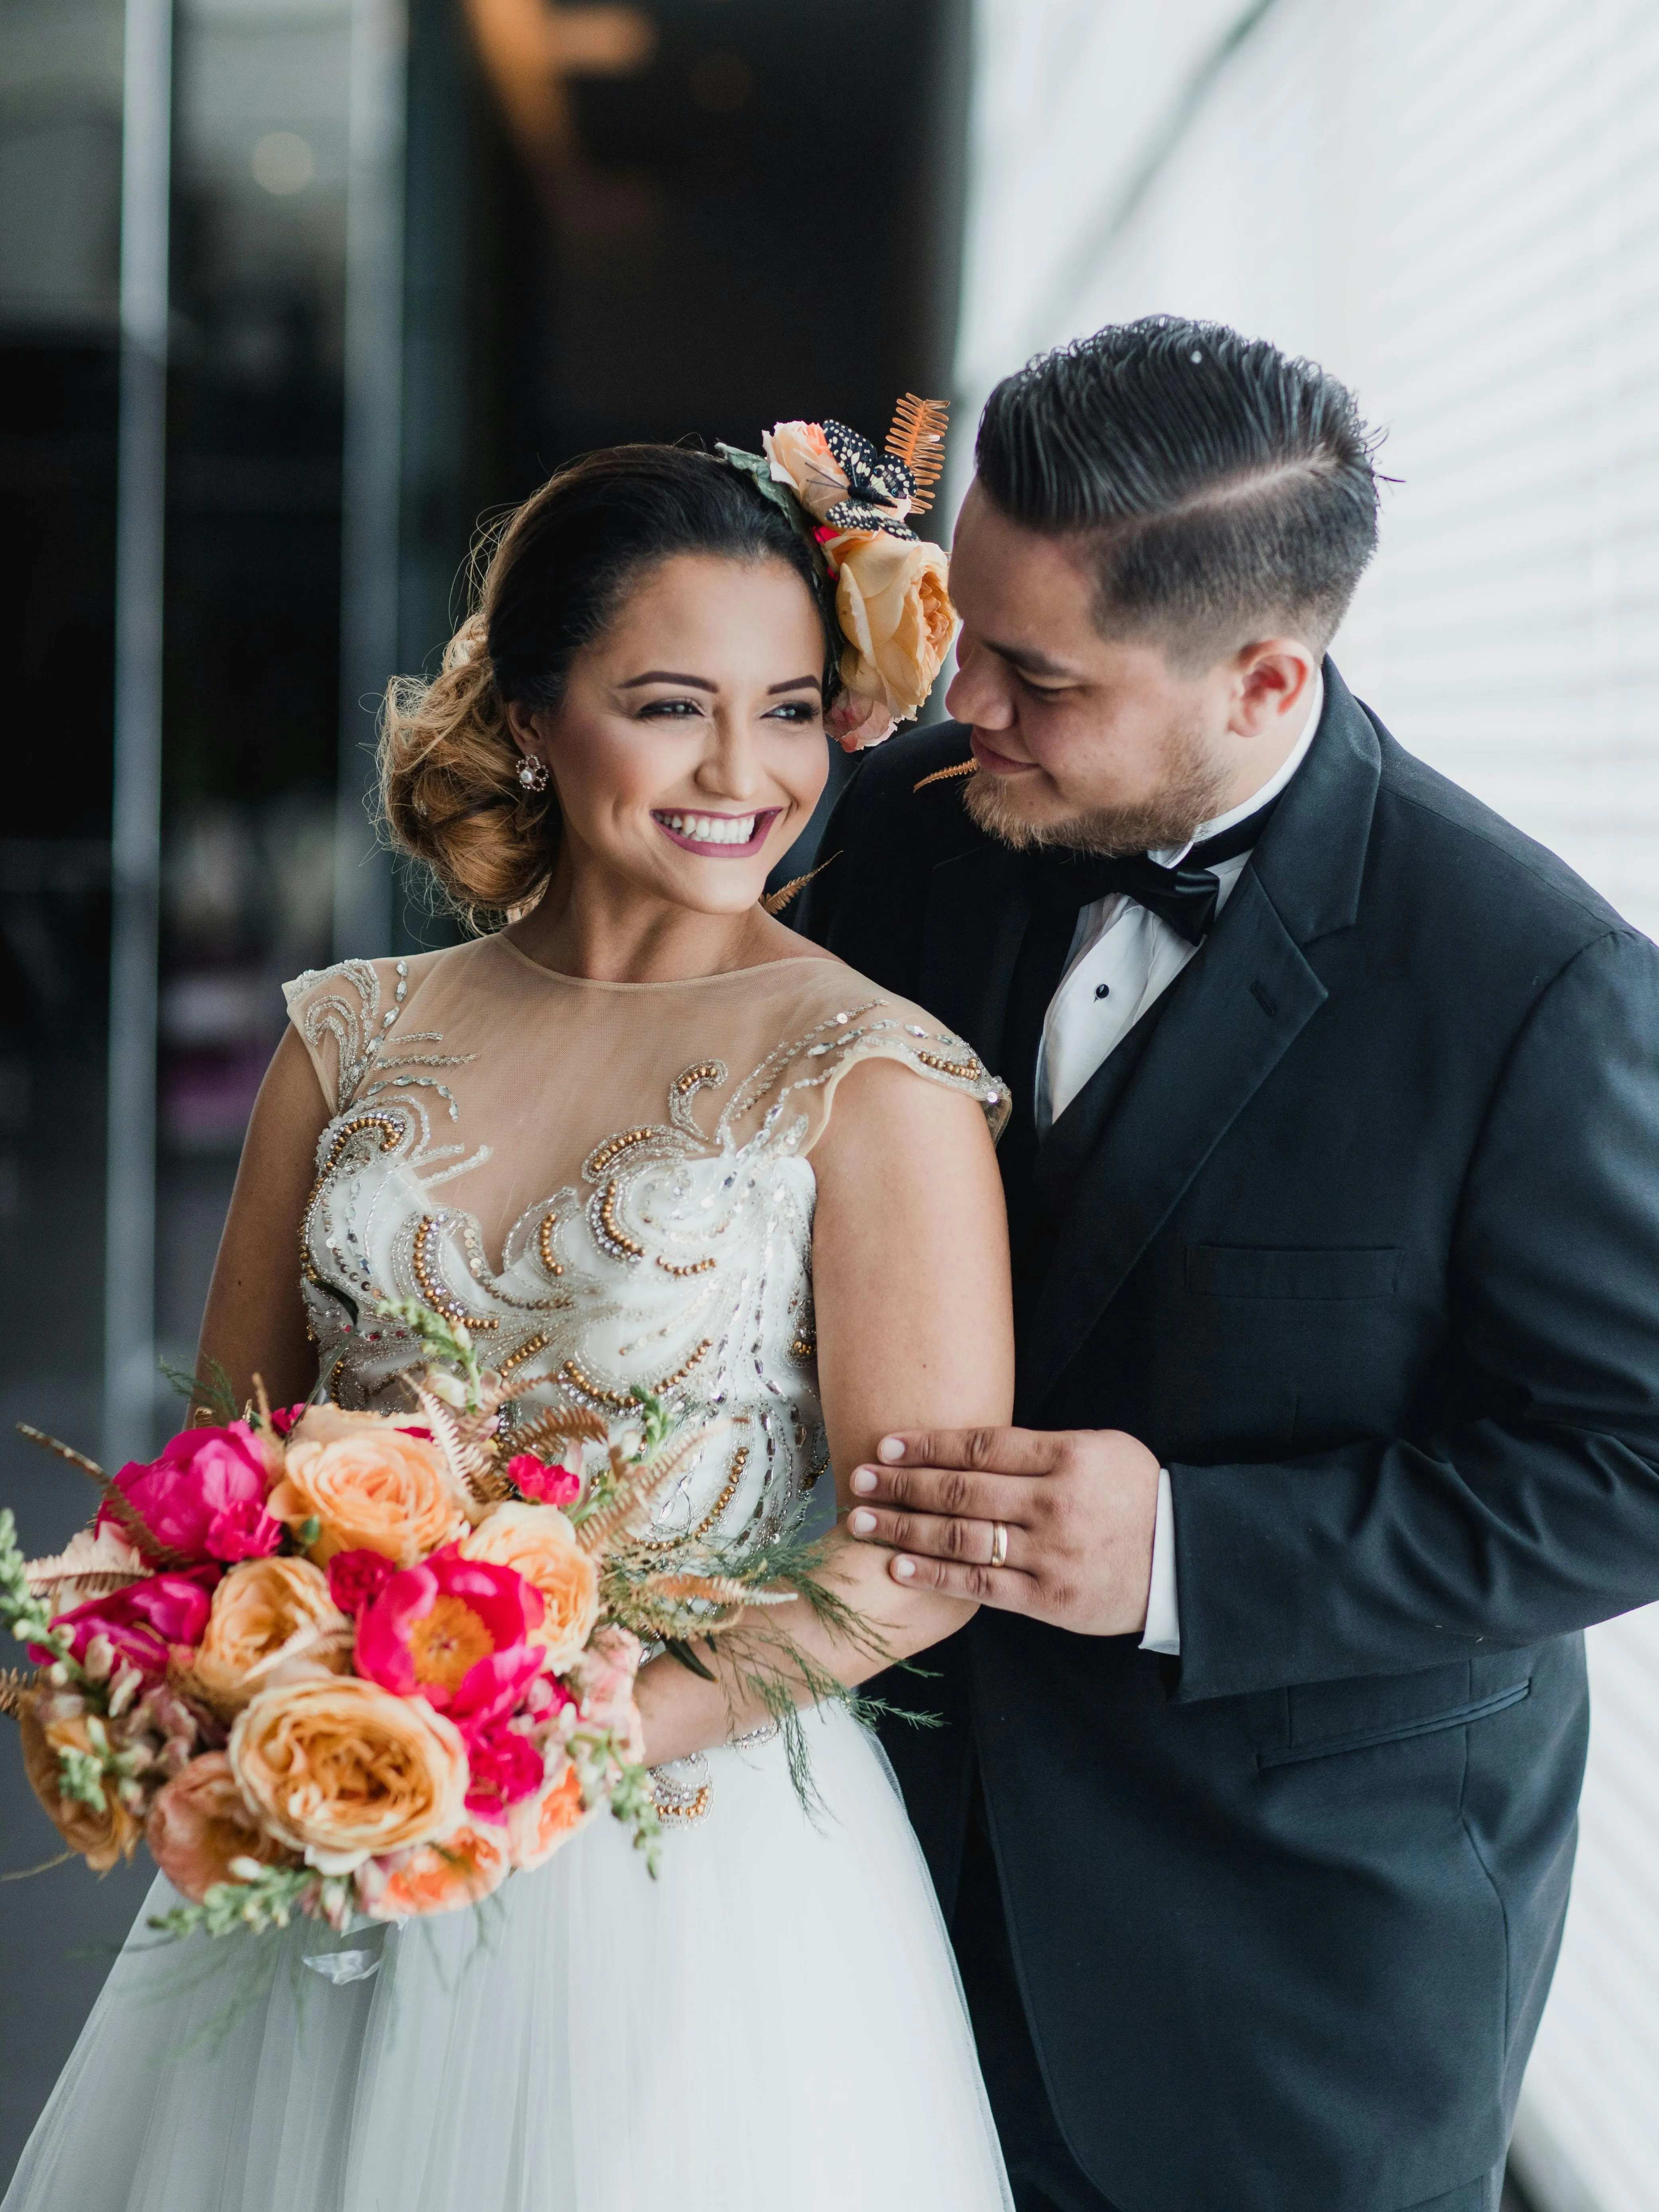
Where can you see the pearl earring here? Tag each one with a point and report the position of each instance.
(532, 773)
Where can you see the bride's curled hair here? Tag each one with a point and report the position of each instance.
(554, 579)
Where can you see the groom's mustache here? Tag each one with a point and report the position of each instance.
(1186, 797)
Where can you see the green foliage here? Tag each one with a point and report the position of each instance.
(449, 1343)
(210, 1388)
(268, 1899)
(25, 1613)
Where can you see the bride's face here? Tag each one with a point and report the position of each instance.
(689, 748)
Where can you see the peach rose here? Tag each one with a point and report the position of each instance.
(536, 1828)
(800, 457)
(342, 1770)
(373, 1486)
(437, 1877)
(99, 1838)
(200, 1822)
(267, 1615)
(895, 609)
(539, 1542)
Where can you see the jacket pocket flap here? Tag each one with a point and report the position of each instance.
(1397, 1731)
(1256, 1271)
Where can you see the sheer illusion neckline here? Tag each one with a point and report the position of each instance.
(668, 983)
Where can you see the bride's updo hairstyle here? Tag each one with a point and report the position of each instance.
(555, 578)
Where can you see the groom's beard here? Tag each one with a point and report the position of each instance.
(1192, 785)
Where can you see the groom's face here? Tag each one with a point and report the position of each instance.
(1083, 738)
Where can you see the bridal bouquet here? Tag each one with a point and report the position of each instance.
(342, 1663)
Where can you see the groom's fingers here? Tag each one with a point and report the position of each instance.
(939, 1536)
(993, 1451)
(1003, 1587)
(948, 1491)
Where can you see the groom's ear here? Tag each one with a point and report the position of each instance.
(1270, 680)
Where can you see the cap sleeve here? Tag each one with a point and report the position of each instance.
(847, 1020)
(339, 1013)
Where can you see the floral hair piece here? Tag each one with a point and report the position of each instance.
(892, 603)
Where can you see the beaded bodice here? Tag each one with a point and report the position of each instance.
(642, 1154)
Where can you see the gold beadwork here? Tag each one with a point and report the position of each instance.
(672, 1381)
(620, 1241)
(706, 1071)
(599, 1160)
(437, 1297)
(392, 1131)
(545, 1246)
(969, 1069)
(527, 1350)
(575, 1377)
(739, 1460)
(694, 1808)
(691, 1266)
(805, 1346)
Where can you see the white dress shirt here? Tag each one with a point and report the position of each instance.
(1123, 958)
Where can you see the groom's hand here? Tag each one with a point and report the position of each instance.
(1078, 1507)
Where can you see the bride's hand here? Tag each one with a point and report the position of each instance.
(1077, 1509)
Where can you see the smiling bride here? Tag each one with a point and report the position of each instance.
(637, 1134)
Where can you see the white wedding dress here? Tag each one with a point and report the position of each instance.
(773, 2024)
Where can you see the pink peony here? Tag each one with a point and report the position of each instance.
(454, 1631)
(356, 1578)
(205, 1496)
(144, 1621)
(282, 1418)
(505, 1768)
(559, 1485)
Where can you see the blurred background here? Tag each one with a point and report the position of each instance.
(294, 292)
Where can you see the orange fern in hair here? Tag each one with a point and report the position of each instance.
(917, 439)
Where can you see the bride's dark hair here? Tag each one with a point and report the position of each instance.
(552, 578)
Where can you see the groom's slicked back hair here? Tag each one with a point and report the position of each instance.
(1228, 489)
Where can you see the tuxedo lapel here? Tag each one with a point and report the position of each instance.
(978, 906)
(1229, 1020)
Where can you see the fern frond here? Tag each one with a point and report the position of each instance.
(560, 1426)
(124, 1510)
(775, 901)
(946, 774)
(612, 1523)
(468, 1455)
(16, 1683)
(917, 439)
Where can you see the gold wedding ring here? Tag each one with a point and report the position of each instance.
(998, 1543)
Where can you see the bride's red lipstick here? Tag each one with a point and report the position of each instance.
(688, 819)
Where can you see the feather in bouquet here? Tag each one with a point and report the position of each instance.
(360, 1663)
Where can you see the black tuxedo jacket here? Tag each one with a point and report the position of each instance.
(1359, 1232)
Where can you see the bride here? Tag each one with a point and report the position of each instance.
(642, 1135)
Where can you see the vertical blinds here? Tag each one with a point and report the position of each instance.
(1454, 205)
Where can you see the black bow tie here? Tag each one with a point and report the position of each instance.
(1185, 895)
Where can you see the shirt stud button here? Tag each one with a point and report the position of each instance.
(1102, 990)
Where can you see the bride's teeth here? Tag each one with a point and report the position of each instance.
(712, 828)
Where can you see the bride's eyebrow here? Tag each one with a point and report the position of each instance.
(795, 683)
(667, 676)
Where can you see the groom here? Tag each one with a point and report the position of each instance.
(1333, 1191)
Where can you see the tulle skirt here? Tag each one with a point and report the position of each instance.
(773, 2026)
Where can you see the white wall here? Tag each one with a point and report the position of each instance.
(1453, 205)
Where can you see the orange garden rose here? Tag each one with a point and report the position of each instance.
(801, 457)
(536, 1828)
(343, 1770)
(462, 1869)
(99, 1838)
(267, 1615)
(894, 607)
(372, 1487)
(200, 1822)
(539, 1542)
